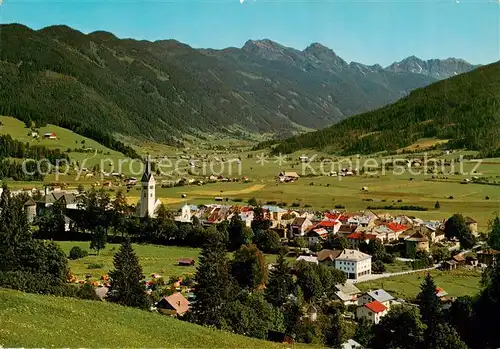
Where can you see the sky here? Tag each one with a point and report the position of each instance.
(363, 31)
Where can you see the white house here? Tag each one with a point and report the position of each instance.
(186, 216)
(372, 312)
(354, 263)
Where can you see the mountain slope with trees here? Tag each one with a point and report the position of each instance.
(101, 86)
(464, 109)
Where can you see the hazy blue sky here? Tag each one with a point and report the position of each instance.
(364, 31)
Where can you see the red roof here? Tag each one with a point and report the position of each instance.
(361, 236)
(327, 224)
(332, 216)
(376, 306)
(395, 227)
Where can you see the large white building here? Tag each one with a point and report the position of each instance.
(354, 263)
(148, 203)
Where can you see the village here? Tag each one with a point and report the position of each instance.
(337, 238)
(362, 245)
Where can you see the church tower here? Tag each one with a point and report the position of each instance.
(148, 188)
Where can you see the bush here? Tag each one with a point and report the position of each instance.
(95, 266)
(253, 202)
(378, 267)
(295, 204)
(339, 206)
(77, 253)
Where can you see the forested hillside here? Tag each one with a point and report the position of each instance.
(464, 109)
(99, 85)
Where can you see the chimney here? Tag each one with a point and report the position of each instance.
(179, 303)
(46, 190)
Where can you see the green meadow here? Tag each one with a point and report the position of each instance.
(30, 320)
(153, 259)
(457, 283)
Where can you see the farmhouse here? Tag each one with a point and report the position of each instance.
(50, 135)
(174, 305)
(288, 176)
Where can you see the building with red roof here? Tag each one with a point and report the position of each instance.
(356, 238)
(372, 312)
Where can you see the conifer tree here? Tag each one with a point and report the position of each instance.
(280, 282)
(126, 286)
(429, 308)
(494, 236)
(213, 282)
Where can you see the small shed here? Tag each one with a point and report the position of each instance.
(186, 262)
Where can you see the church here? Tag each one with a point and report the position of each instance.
(148, 203)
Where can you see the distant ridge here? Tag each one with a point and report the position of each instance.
(463, 109)
(163, 90)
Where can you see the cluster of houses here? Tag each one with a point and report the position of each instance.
(357, 227)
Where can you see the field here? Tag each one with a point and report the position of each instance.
(456, 283)
(30, 320)
(153, 259)
(314, 190)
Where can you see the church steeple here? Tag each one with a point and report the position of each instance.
(148, 188)
(148, 174)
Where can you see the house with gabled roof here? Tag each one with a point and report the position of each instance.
(300, 225)
(174, 305)
(347, 293)
(372, 312)
(379, 295)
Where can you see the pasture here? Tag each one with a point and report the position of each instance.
(153, 259)
(457, 283)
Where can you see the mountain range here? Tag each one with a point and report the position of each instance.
(464, 110)
(98, 84)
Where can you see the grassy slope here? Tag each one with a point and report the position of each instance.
(29, 320)
(456, 283)
(66, 139)
(153, 259)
